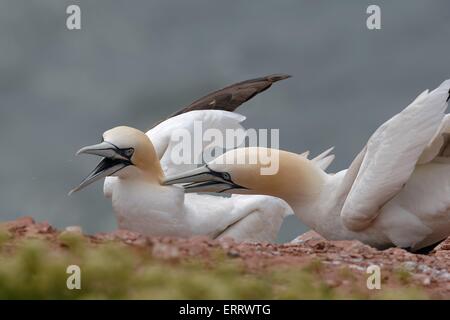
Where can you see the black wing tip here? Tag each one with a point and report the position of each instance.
(277, 77)
(270, 79)
(448, 98)
(257, 84)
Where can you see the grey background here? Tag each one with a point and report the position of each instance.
(134, 62)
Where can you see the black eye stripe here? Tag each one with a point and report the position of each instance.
(127, 153)
(224, 175)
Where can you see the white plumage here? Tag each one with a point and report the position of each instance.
(166, 211)
(164, 141)
(395, 192)
(153, 209)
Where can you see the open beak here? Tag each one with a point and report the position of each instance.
(113, 161)
(203, 179)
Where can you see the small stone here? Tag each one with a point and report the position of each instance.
(309, 235)
(126, 234)
(226, 242)
(233, 253)
(44, 227)
(443, 246)
(74, 229)
(426, 281)
(165, 251)
(410, 265)
(317, 244)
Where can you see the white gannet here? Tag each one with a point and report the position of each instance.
(396, 191)
(164, 142)
(227, 99)
(143, 205)
(263, 217)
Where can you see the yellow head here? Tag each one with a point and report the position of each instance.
(128, 153)
(256, 170)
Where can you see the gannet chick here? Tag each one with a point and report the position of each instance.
(395, 193)
(143, 205)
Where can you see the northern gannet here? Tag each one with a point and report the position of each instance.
(248, 218)
(395, 192)
(228, 98)
(143, 205)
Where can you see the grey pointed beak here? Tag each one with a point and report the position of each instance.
(113, 161)
(203, 179)
(200, 174)
(103, 149)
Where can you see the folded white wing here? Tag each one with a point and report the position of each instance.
(438, 150)
(391, 156)
(180, 141)
(241, 217)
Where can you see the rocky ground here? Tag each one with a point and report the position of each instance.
(334, 269)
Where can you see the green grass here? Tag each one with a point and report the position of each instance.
(36, 269)
(403, 275)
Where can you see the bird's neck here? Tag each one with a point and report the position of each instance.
(306, 191)
(151, 173)
(322, 209)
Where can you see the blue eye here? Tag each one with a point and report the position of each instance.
(128, 152)
(226, 176)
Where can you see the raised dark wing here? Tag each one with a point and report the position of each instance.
(231, 97)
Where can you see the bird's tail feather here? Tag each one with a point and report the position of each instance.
(324, 159)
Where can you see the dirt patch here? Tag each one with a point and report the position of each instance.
(340, 264)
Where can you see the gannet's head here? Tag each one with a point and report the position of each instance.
(127, 153)
(254, 171)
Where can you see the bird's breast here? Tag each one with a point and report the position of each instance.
(147, 209)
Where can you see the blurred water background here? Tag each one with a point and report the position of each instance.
(135, 62)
